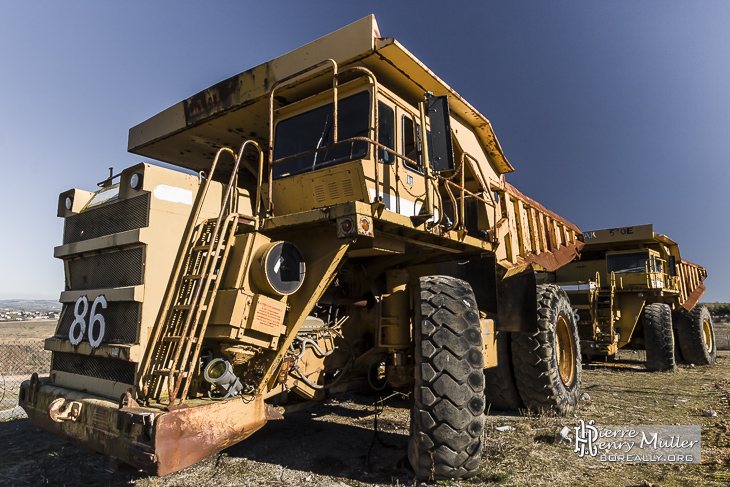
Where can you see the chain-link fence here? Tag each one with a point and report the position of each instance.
(18, 360)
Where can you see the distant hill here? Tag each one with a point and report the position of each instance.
(31, 304)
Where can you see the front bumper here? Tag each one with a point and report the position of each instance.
(152, 439)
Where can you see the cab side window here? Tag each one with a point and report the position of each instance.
(412, 143)
(386, 132)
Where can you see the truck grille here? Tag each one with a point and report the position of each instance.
(101, 368)
(111, 269)
(121, 322)
(109, 219)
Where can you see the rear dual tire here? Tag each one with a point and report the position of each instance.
(547, 362)
(696, 335)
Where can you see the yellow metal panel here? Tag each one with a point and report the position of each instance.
(231, 307)
(130, 293)
(621, 234)
(130, 353)
(489, 343)
(630, 305)
(330, 186)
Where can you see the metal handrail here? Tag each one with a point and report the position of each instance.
(157, 330)
(196, 302)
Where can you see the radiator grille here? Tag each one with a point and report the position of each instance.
(116, 217)
(121, 321)
(101, 368)
(111, 269)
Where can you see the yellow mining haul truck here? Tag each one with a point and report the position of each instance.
(362, 235)
(631, 289)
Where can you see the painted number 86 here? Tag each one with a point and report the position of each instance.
(78, 327)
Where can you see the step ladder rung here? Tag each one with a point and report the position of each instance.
(167, 372)
(198, 276)
(177, 339)
(199, 248)
(187, 307)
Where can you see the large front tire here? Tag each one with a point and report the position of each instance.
(697, 336)
(659, 337)
(447, 419)
(547, 362)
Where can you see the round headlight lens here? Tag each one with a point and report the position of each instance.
(135, 182)
(69, 202)
(365, 224)
(346, 225)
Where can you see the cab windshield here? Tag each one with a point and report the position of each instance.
(311, 133)
(627, 263)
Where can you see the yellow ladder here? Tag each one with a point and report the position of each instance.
(174, 346)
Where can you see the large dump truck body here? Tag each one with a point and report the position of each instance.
(288, 267)
(620, 272)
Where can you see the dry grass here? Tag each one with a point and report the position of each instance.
(334, 445)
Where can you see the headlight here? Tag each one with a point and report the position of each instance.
(135, 182)
(365, 224)
(346, 225)
(278, 268)
(69, 202)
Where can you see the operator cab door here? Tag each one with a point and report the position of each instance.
(403, 189)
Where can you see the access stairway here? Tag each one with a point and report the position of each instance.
(173, 350)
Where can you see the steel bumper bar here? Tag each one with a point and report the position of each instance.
(155, 440)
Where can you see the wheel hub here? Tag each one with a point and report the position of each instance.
(707, 335)
(565, 351)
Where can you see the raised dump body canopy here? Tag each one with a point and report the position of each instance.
(189, 133)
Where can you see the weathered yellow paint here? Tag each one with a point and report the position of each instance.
(631, 305)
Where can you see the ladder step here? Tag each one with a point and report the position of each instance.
(187, 307)
(167, 372)
(199, 248)
(198, 276)
(177, 339)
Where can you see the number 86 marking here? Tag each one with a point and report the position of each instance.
(78, 327)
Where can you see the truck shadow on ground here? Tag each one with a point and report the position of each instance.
(328, 447)
(337, 439)
(35, 457)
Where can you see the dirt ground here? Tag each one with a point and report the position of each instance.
(25, 330)
(336, 444)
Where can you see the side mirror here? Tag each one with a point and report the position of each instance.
(442, 147)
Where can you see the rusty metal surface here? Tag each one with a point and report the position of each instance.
(557, 258)
(151, 439)
(694, 297)
(186, 436)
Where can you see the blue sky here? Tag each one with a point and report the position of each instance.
(613, 113)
